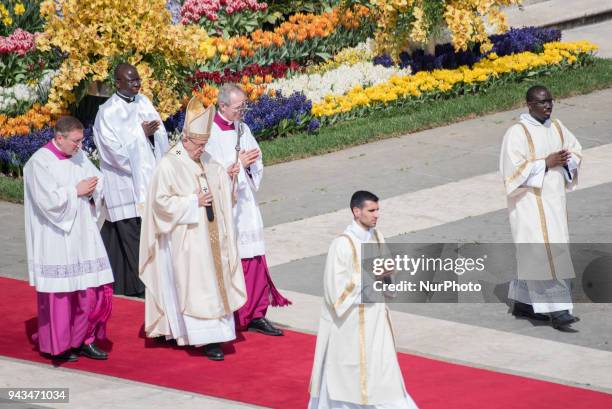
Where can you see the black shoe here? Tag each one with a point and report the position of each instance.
(67, 356)
(525, 310)
(214, 352)
(92, 351)
(561, 319)
(264, 326)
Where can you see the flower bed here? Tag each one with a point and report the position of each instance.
(338, 81)
(19, 98)
(425, 86)
(301, 38)
(512, 42)
(312, 70)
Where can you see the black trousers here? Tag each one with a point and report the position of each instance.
(122, 242)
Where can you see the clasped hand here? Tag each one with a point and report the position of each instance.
(86, 187)
(150, 127)
(558, 159)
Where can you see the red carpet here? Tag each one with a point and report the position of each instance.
(274, 372)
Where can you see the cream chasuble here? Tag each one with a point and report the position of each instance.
(193, 304)
(355, 363)
(536, 198)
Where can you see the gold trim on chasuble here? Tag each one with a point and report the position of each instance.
(363, 375)
(538, 196)
(519, 170)
(350, 286)
(363, 366)
(560, 131)
(215, 247)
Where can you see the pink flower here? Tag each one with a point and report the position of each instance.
(20, 42)
(193, 10)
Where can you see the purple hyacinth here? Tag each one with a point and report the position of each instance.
(16, 150)
(175, 122)
(385, 60)
(271, 117)
(516, 40)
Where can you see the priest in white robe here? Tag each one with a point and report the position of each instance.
(355, 364)
(540, 161)
(225, 147)
(189, 260)
(67, 261)
(131, 139)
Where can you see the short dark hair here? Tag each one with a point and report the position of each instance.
(67, 124)
(360, 197)
(530, 96)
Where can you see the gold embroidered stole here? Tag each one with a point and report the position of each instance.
(215, 246)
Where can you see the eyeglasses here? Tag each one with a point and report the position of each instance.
(75, 143)
(197, 145)
(242, 108)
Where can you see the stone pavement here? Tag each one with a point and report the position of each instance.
(599, 33)
(558, 13)
(438, 185)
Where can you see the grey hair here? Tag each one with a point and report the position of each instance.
(226, 92)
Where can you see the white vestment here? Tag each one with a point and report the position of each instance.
(355, 363)
(64, 248)
(247, 216)
(185, 329)
(127, 157)
(537, 210)
(190, 295)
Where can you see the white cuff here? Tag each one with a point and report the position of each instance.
(536, 177)
(572, 164)
(192, 215)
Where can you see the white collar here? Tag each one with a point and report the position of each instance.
(527, 118)
(227, 121)
(124, 97)
(359, 232)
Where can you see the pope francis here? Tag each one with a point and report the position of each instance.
(189, 259)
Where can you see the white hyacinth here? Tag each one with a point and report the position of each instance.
(24, 94)
(337, 81)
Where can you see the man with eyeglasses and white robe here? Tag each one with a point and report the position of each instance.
(222, 147)
(540, 160)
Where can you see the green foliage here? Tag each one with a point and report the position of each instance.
(280, 10)
(11, 189)
(230, 25)
(16, 69)
(30, 20)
